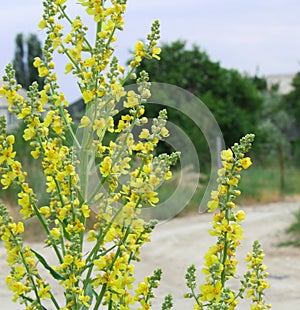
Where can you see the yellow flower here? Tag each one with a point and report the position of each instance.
(85, 121)
(77, 23)
(213, 205)
(59, 2)
(105, 166)
(87, 96)
(144, 134)
(155, 52)
(210, 259)
(10, 139)
(227, 155)
(42, 24)
(211, 292)
(89, 62)
(152, 199)
(99, 126)
(85, 210)
(233, 181)
(84, 300)
(168, 175)
(43, 71)
(132, 100)
(164, 132)
(246, 162)
(55, 232)
(69, 67)
(240, 216)
(44, 292)
(139, 49)
(91, 236)
(68, 259)
(101, 262)
(36, 153)
(118, 91)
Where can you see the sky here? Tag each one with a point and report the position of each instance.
(252, 36)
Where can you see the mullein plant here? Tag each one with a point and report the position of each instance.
(102, 273)
(220, 260)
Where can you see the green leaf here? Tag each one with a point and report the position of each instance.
(42, 260)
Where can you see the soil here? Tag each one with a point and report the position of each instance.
(184, 240)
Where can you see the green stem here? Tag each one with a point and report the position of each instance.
(67, 123)
(47, 230)
(127, 77)
(54, 301)
(224, 258)
(100, 297)
(223, 274)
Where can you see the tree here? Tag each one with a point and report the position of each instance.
(276, 130)
(232, 97)
(291, 103)
(26, 51)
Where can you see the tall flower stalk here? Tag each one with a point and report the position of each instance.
(127, 168)
(87, 172)
(220, 260)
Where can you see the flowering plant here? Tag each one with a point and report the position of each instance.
(86, 171)
(128, 168)
(220, 260)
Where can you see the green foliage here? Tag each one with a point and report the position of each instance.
(233, 98)
(291, 103)
(26, 50)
